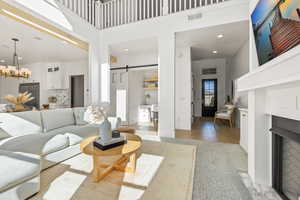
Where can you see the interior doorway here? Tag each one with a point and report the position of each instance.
(209, 97)
(77, 91)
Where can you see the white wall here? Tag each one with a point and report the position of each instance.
(237, 66)
(197, 66)
(135, 59)
(183, 85)
(39, 74)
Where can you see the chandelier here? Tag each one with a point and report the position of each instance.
(14, 69)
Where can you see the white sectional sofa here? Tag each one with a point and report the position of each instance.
(35, 140)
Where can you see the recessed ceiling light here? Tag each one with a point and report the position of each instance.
(126, 49)
(2, 61)
(214, 52)
(220, 36)
(20, 58)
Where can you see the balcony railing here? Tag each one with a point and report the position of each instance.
(117, 12)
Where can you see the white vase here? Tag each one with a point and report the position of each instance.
(105, 131)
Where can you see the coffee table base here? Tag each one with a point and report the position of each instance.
(102, 170)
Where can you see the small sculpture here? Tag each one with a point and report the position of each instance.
(97, 116)
(19, 101)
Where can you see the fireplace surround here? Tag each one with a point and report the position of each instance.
(286, 157)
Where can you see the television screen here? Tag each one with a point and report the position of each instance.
(276, 26)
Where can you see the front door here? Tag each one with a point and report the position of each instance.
(209, 97)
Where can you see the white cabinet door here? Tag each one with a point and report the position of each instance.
(244, 130)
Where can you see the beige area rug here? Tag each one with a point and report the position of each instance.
(164, 171)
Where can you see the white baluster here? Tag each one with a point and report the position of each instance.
(161, 7)
(115, 12)
(144, 9)
(121, 11)
(134, 10)
(118, 12)
(190, 4)
(156, 7)
(140, 9)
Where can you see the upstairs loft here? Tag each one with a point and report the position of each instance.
(107, 14)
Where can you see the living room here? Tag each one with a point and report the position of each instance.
(90, 152)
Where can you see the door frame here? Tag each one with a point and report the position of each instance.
(216, 96)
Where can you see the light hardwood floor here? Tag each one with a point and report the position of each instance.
(205, 129)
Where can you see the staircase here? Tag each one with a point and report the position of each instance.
(117, 12)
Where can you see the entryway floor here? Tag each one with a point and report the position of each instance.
(205, 129)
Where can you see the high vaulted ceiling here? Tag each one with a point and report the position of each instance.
(34, 46)
(204, 41)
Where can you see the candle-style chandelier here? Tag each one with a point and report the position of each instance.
(14, 69)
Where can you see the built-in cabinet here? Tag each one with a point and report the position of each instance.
(56, 78)
(244, 128)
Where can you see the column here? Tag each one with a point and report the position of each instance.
(259, 138)
(166, 95)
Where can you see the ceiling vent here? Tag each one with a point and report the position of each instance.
(194, 16)
(209, 71)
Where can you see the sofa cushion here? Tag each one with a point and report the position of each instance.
(86, 131)
(53, 119)
(16, 125)
(31, 116)
(79, 115)
(17, 167)
(56, 143)
(73, 138)
(64, 130)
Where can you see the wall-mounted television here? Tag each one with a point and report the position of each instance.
(276, 26)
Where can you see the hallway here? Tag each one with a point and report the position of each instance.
(204, 129)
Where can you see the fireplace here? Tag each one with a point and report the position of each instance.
(286, 157)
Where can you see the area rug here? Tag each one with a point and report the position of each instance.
(164, 171)
(217, 170)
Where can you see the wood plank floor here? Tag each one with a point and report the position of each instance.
(205, 129)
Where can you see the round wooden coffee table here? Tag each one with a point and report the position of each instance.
(126, 151)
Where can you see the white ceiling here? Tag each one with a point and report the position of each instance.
(136, 46)
(204, 41)
(48, 49)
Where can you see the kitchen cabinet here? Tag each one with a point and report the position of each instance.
(56, 78)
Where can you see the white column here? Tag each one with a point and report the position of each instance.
(259, 138)
(165, 7)
(94, 76)
(105, 73)
(166, 48)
